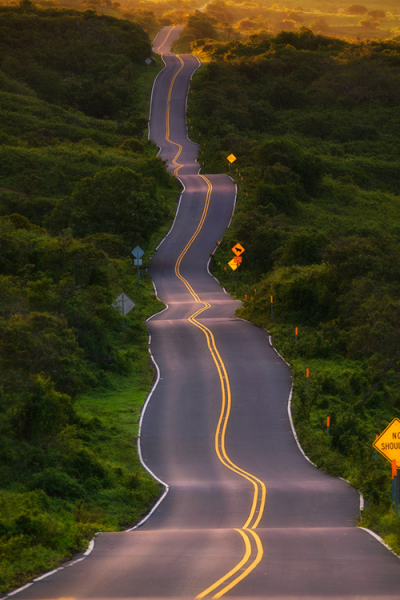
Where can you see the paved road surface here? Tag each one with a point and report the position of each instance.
(246, 514)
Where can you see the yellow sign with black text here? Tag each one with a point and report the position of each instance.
(233, 265)
(388, 443)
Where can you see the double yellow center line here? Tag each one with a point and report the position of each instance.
(253, 549)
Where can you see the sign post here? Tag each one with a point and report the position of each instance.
(237, 259)
(231, 159)
(123, 304)
(395, 487)
(138, 253)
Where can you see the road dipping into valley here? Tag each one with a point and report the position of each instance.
(246, 514)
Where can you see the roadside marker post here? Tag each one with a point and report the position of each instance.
(272, 308)
(307, 378)
(328, 424)
(296, 331)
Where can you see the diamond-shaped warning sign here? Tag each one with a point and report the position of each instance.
(388, 443)
(231, 158)
(238, 249)
(233, 265)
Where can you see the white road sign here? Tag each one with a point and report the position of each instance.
(123, 304)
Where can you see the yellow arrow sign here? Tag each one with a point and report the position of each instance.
(233, 265)
(231, 158)
(388, 443)
(238, 249)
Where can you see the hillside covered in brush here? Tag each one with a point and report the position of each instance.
(80, 186)
(314, 124)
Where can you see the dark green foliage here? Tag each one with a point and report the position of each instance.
(281, 197)
(94, 67)
(41, 343)
(118, 201)
(201, 25)
(284, 153)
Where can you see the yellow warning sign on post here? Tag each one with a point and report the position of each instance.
(238, 249)
(388, 443)
(231, 158)
(233, 265)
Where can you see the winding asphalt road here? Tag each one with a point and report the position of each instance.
(246, 514)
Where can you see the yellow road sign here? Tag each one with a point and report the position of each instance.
(231, 158)
(233, 265)
(388, 443)
(238, 249)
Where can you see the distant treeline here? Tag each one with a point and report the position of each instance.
(80, 186)
(314, 124)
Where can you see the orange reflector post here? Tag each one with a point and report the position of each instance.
(307, 372)
(328, 421)
(394, 469)
(296, 331)
(272, 299)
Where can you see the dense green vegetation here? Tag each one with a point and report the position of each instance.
(77, 193)
(314, 124)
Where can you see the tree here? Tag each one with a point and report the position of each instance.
(117, 201)
(40, 343)
(357, 9)
(201, 26)
(304, 166)
(377, 14)
(377, 336)
(39, 413)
